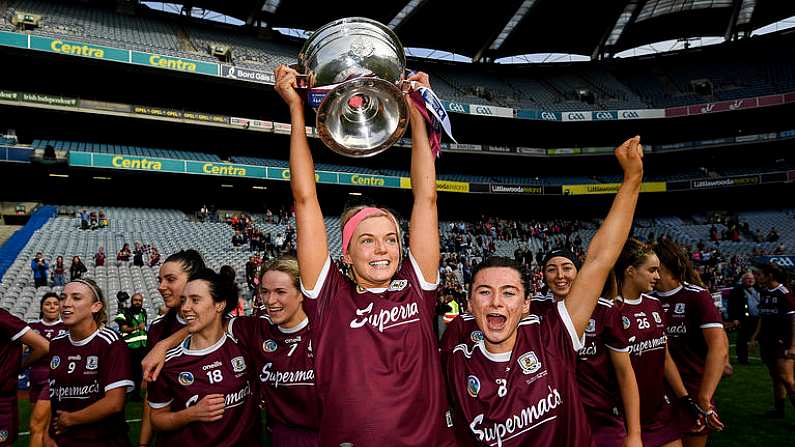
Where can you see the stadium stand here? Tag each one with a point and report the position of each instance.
(652, 82)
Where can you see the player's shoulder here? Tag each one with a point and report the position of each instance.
(604, 303)
(108, 336)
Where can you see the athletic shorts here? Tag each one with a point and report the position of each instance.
(284, 436)
(664, 427)
(607, 429)
(38, 390)
(9, 420)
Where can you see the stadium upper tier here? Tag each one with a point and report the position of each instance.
(172, 230)
(737, 70)
(675, 173)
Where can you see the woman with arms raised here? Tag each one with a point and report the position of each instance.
(379, 378)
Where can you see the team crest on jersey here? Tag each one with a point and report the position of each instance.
(625, 321)
(398, 285)
(239, 364)
(657, 318)
(269, 346)
(55, 362)
(92, 362)
(679, 308)
(591, 326)
(3, 435)
(473, 386)
(185, 378)
(529, 362)
(476, 336)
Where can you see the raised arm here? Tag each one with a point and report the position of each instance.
(310, 230)
(607, 243)
(153, 362)
(424, 223)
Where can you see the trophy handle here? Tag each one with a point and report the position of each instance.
(301, 80)
(407, 86)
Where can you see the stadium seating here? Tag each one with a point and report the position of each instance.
(611, 85)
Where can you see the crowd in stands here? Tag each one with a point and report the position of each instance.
(92, 220)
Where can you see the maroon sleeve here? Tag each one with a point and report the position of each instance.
(614, 335)
(788, 304)
(11, 327)
(116, 371)
(244, 330)
(327, 286)
(159, 394)
(559, 332)
(708, 315)
(452, 335)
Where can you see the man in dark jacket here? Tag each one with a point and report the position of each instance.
(743, 313)
(40, 267)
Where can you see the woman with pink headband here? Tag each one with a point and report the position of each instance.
(378, 374)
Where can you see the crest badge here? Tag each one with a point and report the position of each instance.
(238, 364)
(92, 362)
(185, 378)
(269, 346)
(529, 362)
(476, 336)
(473, 386)
(625, 321)
(679, 308)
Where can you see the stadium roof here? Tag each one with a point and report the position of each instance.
(492, 30)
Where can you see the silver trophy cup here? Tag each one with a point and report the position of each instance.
(354, 69)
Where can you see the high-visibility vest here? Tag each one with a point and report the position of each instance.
(137, 338)
(455, 309)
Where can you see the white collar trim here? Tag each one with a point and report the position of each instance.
(671, 292)
(296, 328)
(502, 357)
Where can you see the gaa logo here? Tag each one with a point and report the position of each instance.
(3, 435)
(185, 378)
(55, 362)
(269, 346)
(625, 321)
(476, 336)
(591, 326)
(473, 386)
(630, 115)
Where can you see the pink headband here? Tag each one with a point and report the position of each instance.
(353, 222)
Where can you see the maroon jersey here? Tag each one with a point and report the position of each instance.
(689, 310)
(284, 368)
(379, 377)
(776, 310)
(644, 324)
(40, 370)
(81, 372)
(463, 329)
(595, 373)
(527, 396)
(164, 326)
(11, 330)
(190, 375)
(541, 304)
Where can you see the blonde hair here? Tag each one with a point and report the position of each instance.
(286, 264)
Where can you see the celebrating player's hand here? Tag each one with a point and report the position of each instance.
(419, 79)
(286, 83)
(63, 420)
(630, 157)
(209, 409)
(154, 361)
(713, 421)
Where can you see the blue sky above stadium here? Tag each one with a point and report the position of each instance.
(653, 48)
